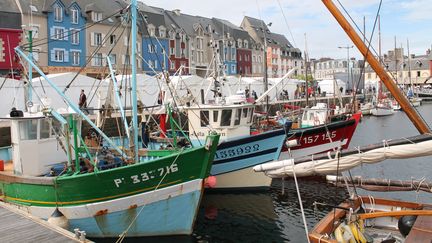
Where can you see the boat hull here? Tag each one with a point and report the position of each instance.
(382, 111)
(242, 179)
(235, 159)
(169, 211)
(163, 195)
(321, 139)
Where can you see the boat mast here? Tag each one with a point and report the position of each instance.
(418, 122)
(379, 55)
(264, 29)
(134, 84)
(396, 60)
(409, 67)
(306, 73)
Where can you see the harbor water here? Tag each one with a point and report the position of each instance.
(273, 216)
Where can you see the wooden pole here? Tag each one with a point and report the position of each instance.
(412, 114)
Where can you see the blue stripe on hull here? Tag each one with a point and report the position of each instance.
(247, 153)
(174, 216)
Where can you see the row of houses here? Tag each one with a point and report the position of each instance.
(416, 69)
(80, 35)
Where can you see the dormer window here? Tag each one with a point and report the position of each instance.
(239, 43)
(96, 16)
(172, 35)
(58, 13)
(33, 8)
(246, 44)
(74, 13)
(162, 32)
(151, 30)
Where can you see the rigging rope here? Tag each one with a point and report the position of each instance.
(123, 235)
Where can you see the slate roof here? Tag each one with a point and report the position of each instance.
(189, 23)
(9, 6)
(417, 63)
(262, 31)
(10, 16)
(26, 6)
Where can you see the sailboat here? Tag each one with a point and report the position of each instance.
(383, 106)
(125, 193)
(415, 100)
(370, 219)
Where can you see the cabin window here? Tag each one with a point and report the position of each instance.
(28, 130)
(204, 115)
(215, 116)
(237, 117)
(226, 117)
(56, 127)
(245, 110)
(250, 115)
(44, 129)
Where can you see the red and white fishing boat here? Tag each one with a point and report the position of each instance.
(321, 138)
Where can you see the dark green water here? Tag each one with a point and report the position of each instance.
(273, 217)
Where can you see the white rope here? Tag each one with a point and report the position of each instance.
(123, 235)
(301, 204)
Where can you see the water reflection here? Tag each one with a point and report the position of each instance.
(275, 217)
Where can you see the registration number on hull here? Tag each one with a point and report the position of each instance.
(158, 173)
(230, 153)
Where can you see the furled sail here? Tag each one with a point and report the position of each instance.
(332, 163)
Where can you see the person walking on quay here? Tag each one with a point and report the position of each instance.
(83, 101)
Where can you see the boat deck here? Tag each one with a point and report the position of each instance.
(18, 226)
(421, 231)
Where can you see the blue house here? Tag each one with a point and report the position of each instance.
(66, 35)
(154, 54)
(230, 59)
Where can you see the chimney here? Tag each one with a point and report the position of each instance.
(176, 12)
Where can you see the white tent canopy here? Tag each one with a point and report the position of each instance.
(330, 86)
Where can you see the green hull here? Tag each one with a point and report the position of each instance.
(110, 184)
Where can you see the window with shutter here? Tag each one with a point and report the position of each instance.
(92, 39)
(66, 56)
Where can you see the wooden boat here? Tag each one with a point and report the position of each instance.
(365, 218)
(368, 219)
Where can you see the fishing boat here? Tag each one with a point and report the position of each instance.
(115, 195)
(106, 192)
(322, 138)
(369, 219)
(242, 147)
(238, 151)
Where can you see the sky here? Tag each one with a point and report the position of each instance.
(311, 21)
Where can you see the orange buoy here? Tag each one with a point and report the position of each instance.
(210, 182)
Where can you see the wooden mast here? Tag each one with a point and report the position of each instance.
(412, 114)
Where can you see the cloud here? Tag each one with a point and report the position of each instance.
(324, 34)
(417, 10)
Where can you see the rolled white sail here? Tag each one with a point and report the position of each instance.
(332, 165)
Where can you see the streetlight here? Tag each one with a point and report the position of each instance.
(348, 59)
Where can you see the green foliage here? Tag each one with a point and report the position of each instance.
(303, 77)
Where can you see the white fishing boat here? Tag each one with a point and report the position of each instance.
(366, 108)
(383, 108)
